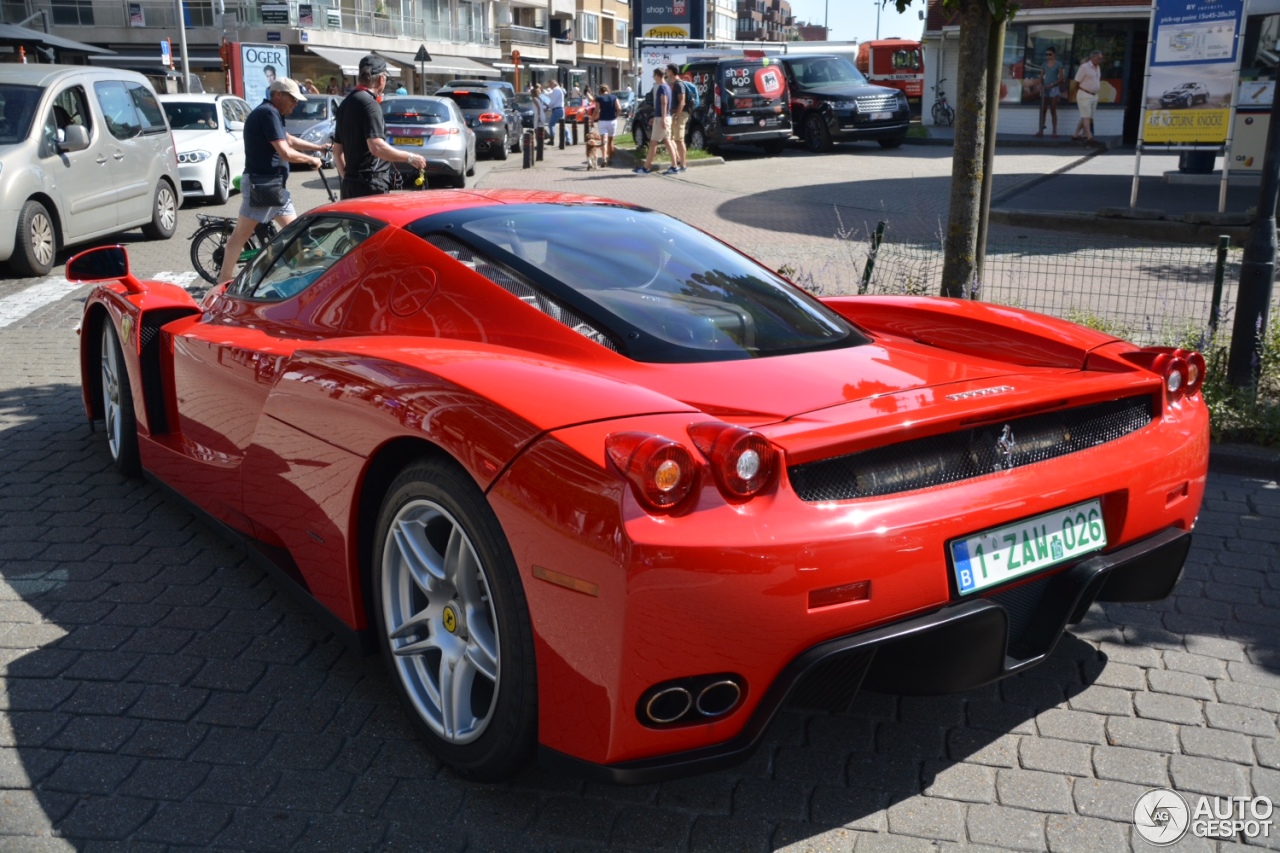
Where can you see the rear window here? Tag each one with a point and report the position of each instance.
(664, 290)
(415, 111)
(470, 100)
(17, 109)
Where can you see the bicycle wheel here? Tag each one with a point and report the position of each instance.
(207, 250)
(939, 113)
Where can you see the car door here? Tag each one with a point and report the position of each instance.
(81, 182)
(225, 365)
(136, 148)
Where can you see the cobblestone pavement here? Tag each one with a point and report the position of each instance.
(158, 690)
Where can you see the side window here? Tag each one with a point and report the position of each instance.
(299, 255)
(117, 108)
(149, 111)
(229, 112)
(71, 106)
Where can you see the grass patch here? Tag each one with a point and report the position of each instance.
(626, 140)
(918, 131)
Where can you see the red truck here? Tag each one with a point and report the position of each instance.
(897, 63)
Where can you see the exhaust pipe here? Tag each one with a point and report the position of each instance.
(718, 698)
(668, 705)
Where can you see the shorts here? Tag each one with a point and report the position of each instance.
(1086, 102)
(607, 128)
(678, 123)
(262, 214)
(659, 128)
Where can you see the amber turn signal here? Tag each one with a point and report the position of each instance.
(661, 471)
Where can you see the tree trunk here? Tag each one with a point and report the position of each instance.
(960, 251)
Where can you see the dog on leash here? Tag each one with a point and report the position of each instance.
(595, 151)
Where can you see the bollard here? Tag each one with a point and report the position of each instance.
(542, 135)
(526, 147)
(562, 132)
(575, 130)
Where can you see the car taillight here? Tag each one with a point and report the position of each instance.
(1182, 370)
(445, 131)
(1196, 368)
(490, 118)
(662, 472)
(742, 461)
(1174, 370)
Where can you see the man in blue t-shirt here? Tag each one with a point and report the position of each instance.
(660, 126)
(268, 151)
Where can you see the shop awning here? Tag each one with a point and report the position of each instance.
(346, 59)
(457, 66)
(13, 33)
(151, 61)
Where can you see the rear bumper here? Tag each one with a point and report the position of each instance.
(959, 647)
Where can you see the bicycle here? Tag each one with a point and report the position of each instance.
(209, 240)
(943, 114)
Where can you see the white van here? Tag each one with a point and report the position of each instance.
(84, 153)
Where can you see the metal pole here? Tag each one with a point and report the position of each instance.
(879, 6)
(1257, 269)
(1219, 273)
(182, 41)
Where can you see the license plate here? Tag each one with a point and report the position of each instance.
(407, 140)
(1003, 553)
(881, 116)
(739, 120)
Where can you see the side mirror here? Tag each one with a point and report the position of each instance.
(235, 125)
(75, 137)
(105, 263)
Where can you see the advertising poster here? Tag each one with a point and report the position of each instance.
(1191, 73)
(260, 65)
(671, 19)
(275, 14)
(137, 17)
(306, 16)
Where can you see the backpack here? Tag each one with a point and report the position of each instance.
(691, 99)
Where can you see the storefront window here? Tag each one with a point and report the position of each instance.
(1026, 47)
(1113, 39)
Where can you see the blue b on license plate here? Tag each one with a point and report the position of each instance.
(995, 556)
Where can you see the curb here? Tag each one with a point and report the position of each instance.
(1245, 460)
(1098, 147)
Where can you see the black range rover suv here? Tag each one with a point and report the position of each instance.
(831, 100)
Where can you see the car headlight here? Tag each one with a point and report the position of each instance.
(843, 105)
(194, 156)
(316, 134)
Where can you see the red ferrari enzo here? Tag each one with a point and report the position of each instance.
(598, 485)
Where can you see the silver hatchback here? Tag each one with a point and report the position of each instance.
(84, 153)
(435, 128)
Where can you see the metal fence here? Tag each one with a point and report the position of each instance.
(1149, 294)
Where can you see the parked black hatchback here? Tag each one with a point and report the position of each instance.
(741, 101)
(495, 122)
(831, 100)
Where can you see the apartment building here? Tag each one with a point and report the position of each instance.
(765, 20)
(603, 38)
(324, 39)
(722, 20)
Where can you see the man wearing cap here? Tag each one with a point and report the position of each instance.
(268, 151)
(361, 152)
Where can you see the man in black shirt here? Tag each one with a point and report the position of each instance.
(268, 151)
(361, 152)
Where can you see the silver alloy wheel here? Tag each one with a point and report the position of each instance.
(42, 238)
(111, 390)
(440, 621)
(222, 177)
(166, 208)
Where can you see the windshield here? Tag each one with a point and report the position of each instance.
(314, 109)
(18, 106)
(665, 290)
(415, 111)
(826, 71)
(191, 115)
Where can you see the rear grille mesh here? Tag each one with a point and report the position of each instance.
(962, 455)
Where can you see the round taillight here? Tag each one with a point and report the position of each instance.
(1196, 369)
(742, 461)
(1174, 371)
(661, 471)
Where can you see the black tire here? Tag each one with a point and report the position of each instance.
(164, 213)
(35, 245)
(207, 251)
(500, 153)
(117, 404)
(817, 138)
(458, 182)
(895, 142)
(221, 182)
(773, 149)
(515, 143)
(471, 171)
(640, 134)
(431, 504)
(697, 138)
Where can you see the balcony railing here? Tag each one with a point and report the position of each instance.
(524, 35)
(160, 14)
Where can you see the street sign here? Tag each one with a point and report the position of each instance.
(166, 53)
(422, 55)
(273, 35)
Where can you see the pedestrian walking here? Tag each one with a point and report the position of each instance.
(680, 109)
(268, 151)
(555, 103)
(361, 152)
(607, 121)
(660, 125)
(539, 108)
(1088, 83)
(1052, 76)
